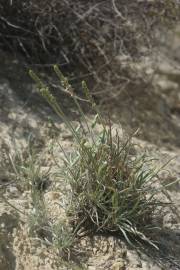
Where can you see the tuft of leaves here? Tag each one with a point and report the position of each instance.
(113, 189)
(25, 168)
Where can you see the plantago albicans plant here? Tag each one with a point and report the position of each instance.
(112, 189)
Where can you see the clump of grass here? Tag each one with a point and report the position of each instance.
(112, 187)
(63, 238)
(25, 169)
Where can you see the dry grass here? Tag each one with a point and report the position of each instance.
(86, 37)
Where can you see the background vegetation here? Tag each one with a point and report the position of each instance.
(98, 40)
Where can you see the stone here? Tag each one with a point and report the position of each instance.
(118, 265)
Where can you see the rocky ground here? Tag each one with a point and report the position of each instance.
(22, 112)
